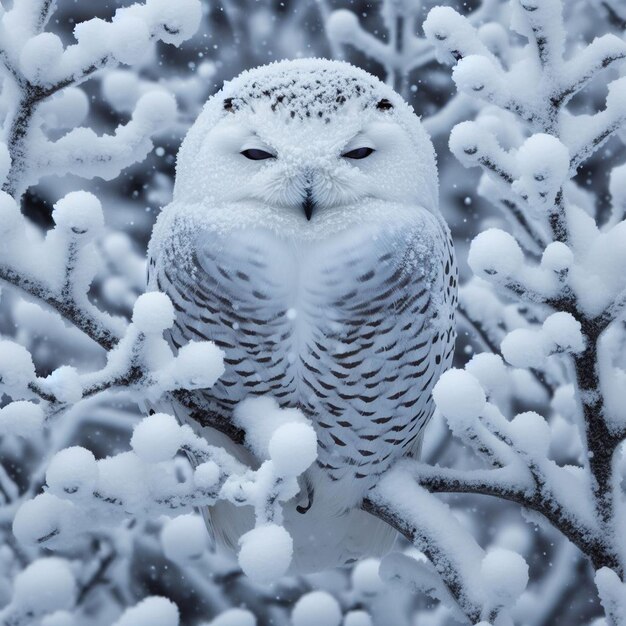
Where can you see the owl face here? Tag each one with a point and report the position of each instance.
(306, 145)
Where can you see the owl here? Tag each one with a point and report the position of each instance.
(304, 239)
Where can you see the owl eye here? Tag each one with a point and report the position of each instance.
(358, 153)
(254, 154)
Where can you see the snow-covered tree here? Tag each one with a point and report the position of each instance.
(97, 503)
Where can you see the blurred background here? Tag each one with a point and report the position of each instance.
(236, 35)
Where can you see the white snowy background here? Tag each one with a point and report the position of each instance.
(517, 512)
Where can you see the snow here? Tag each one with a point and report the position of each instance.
(16, 369)
(365, 578)
(5, 162)
(495, 251)
(67, 109)
(197, 366)
(22, 419)
(153, 313)
(157, 438)
(171, 23)
(489, 370)
(265, 553)
(543, 163)
(41, 517)
(154, 111)
(206, 475)
(564, 331)
(505, 575)
(45, 586)
(39, 56)
(357, 618)
(317, 608)
(60, 618)
(184, 537)
(531, 433)
(459, 397)
(79, 212)
(557, 257)
(260, 418)
(72, 471)
(234, 617)
(292, 448)
(342, 25)
(524, 348)
(153, 611)
(65, 384)
(129, 37)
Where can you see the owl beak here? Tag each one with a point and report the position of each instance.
(308, 204)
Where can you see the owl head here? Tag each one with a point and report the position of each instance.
(305, 145)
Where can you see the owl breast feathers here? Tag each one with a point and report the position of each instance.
(330, 284)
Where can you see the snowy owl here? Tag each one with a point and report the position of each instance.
(304, 239)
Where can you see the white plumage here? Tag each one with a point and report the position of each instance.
(304, 239)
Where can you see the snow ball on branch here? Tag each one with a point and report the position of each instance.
(260, 417)
(523, 347)
(45, 586)
(317, 608)
(206, 475)
(557, 257)
(174, 22)
(16, 368)
(198, 365)
(292, 448)
(505, 575)
(66, 109)
(357, 618)
(157, 438)
(153, 611)
(155, 110)
(127, 479)
(234, 617)
(41, 518)
(39, 56)
(450, 33)
(184, 538)
(495, 252)
(79, 212)
(121, 89)
(465, 142)
(563, 332)
(342, 25)
(64, 383)
(265, 553)
(543, 157)
(531, 434)
(129, 38)
(72, 471)
(21, 419)
(366, 579)
(153, 313)
(490, 371)
(476, 74)
(459, 397)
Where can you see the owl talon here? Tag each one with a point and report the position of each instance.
(310, 493)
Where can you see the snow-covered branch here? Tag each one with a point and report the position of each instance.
(40, 66)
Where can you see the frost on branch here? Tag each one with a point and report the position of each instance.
(87, 496)
(45, 74)
(550, 291)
